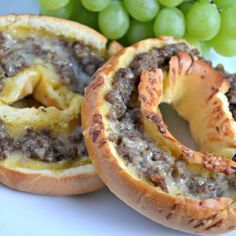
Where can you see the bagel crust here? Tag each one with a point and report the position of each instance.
(196, 207)
(45, 162)
(74, 181)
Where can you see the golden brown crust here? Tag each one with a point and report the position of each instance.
(210, 112)
(209, 216)
(57, 26)
(70, 181)
(150, 93)
(113, 48)
(51, 184)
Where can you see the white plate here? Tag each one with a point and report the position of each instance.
(100, 213)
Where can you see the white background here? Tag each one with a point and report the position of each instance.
(99, 213)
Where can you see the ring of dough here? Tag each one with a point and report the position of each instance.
(43, 75)
(135, 153)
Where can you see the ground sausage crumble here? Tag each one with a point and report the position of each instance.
(152, 163)
(74, 63)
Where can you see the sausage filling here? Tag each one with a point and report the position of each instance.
(149, 161)
(74, 64)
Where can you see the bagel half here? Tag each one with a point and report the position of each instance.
(40, 103)
(133, 150)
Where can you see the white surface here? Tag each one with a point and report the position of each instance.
(99, 213)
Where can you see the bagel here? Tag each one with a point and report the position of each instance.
(136, 155)
(45, 63)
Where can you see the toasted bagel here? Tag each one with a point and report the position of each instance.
(45, 64)
(136, 155)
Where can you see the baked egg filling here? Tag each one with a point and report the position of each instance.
(147, 154)
(42, 81)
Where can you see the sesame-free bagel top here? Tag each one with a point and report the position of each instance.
(133, 150)
(45, 63)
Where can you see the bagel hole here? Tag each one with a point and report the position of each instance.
(178, 127)
(27, 102)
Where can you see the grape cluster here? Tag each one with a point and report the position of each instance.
(204, 23)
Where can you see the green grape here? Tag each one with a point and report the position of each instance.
(224, 3)
(113, 21)
(185, 6)
(170, 3)
(205, 47)
(63, 12)
(139, 30)
(202, 47)
(83, 16)
(87, 18)
(170, 21)
(95, 5)
(223, 45)
(228, 22)
(203, 21)
(142, 10)
(53, 4)
(123, 41)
